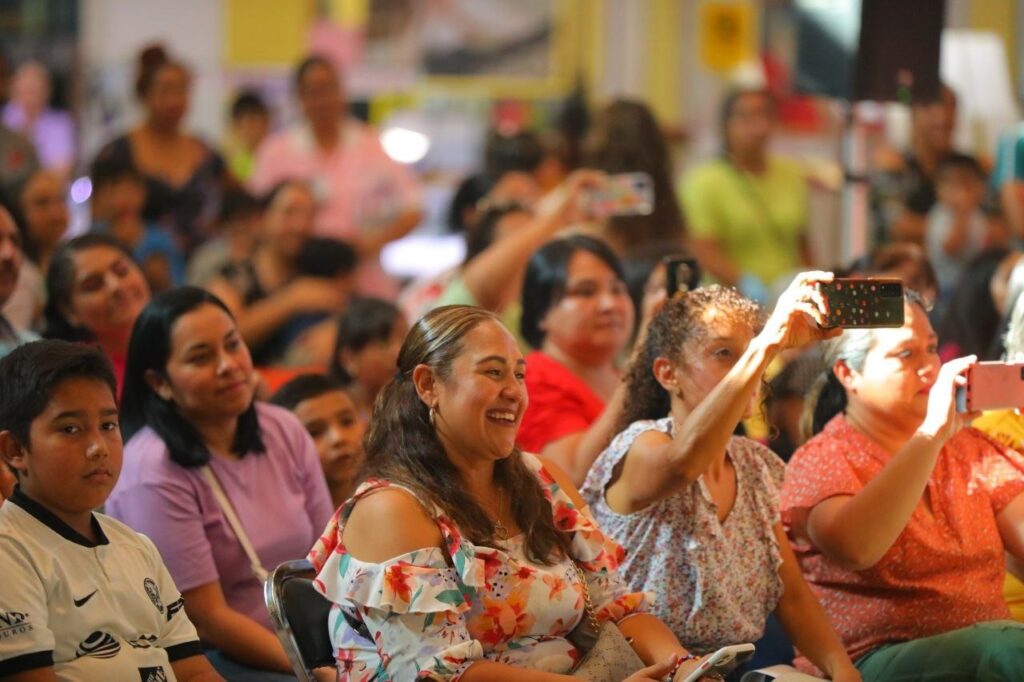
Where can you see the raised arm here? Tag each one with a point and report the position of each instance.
(856, 531)
(657, 466)
(488, 275)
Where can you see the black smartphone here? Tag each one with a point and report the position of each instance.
(863, 303)
(681, 275)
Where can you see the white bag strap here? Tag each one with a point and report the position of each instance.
(236, 525)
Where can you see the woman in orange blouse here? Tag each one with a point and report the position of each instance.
(900, 516)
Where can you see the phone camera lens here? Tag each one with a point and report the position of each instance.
(890, 289)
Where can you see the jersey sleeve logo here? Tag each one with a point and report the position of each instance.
(99, 645)
(13, 623)
(154, 594)
(157, 674)
(174, 607)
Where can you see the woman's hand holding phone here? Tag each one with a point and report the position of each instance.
(942, 419)
(800, 313)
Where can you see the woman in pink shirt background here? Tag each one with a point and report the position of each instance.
(364, 196)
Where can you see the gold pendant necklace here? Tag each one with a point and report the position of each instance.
(500, 531)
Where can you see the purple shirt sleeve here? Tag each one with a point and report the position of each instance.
(165, 509)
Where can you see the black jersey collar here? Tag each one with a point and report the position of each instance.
(53, 522)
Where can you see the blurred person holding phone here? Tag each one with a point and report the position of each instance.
(901, 517)
(501, 243)
(625, 138)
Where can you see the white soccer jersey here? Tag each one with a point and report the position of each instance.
(105, 611)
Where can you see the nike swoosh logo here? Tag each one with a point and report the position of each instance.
(81, 602)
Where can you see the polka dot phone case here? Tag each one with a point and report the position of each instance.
(863, 303)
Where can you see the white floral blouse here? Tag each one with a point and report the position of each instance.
(432, 613)
(714, 583)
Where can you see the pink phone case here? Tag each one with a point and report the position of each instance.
(992, 386)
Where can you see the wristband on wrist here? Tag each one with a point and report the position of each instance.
(679, 664)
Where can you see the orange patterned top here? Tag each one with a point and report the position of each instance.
(944, 572)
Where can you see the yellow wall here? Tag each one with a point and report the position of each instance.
(1000, 17)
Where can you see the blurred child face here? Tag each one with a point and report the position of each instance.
(337, 431)
(960, 189)
(251, 128)
(375, 364)
(122, 198)
(46, 214)
(73, 456)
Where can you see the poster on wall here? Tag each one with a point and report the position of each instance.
(458, 44)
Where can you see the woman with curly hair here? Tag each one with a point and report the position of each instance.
(693, 502)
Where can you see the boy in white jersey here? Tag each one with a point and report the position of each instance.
(83, 597)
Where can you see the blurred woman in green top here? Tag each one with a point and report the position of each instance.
(746, 211)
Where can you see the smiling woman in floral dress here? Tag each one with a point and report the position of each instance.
(457, 558)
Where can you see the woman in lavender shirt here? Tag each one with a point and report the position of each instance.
(187, 404)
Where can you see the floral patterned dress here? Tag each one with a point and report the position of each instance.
(431, 613)
(715, 582)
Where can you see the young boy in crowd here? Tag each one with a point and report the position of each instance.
(250, 123)
(84, 597)
(238, 225)
(118, 195)
(330, 417)
(958, 228)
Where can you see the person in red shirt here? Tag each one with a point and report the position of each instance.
(901, 517)
(96, 291)
(578, 316)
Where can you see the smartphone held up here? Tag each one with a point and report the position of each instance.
(681, 275)
(991, 386)
(623, 194)
(863, 303)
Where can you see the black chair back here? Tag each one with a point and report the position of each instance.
(299, 614)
